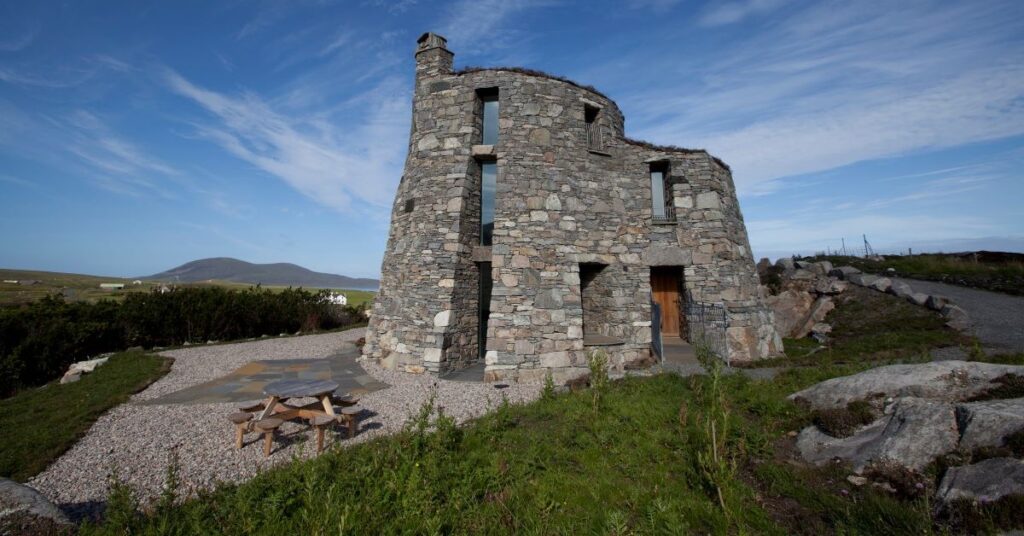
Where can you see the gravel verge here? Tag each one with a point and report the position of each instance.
(137, 443)
(996, 319)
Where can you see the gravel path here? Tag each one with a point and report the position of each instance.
(997, 319)
(137, 442)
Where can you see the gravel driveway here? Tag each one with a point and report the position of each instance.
(998, 319)
(137, 442)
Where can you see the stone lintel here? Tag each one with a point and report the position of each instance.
(482, 254)
(483, 152)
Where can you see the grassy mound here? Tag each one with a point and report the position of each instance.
(40, 424)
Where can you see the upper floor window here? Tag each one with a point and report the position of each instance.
(590, 115)
(489, 100)
(661, 208)
(488, 185)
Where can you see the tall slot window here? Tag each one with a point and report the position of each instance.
(489, 100)
(488, 185)
(659, 207)
(484, 308)
(590, 114)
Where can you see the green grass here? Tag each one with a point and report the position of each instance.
(40, 424)
(86, 287)
(870, 327)
(1002, 275)
(700, 455)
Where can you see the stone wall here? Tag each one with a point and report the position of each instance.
(559, 204)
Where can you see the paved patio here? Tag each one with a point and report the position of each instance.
(247, 382)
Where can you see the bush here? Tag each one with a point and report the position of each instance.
(39, 340)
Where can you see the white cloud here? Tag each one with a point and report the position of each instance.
(16, 41)
(480, 25)
(730, 12)
(839, 83)
(658, 6)
(341, 164)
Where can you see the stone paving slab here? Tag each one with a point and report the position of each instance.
(248, 382)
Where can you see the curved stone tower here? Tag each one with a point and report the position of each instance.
(555, 237)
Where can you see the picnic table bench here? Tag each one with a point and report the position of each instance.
(275, 410)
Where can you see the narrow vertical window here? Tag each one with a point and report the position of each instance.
(590, 114)
(489, 100)
(488, 184)
(659, 206)
(484, 307)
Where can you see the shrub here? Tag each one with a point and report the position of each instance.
(39, 340)
(843, 422)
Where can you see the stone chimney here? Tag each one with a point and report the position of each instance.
(432, 56)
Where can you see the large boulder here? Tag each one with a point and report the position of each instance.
(802, 275)
(956, 317)
(843, 272)
(830, 286)
(918, 298)
(24, 510)
(861, 280)
(786, 264)
(987, 423)
(822, 306)
(943, 380)
(824, 267)
(900, 289)
(791, 308)
(881, 284)
(917, 431)
(936, 302)
(984, 481)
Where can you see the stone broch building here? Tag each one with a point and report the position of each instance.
(528, 229)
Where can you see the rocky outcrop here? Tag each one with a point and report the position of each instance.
(76, 370)
(985, 481)
(988, 423)
(24, 510)
(942, 380)
(791, 308)
(923, 418)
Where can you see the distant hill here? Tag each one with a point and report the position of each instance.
(227, 269)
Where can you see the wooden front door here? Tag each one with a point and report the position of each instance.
(666, 284)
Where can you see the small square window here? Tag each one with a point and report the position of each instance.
(409, 205)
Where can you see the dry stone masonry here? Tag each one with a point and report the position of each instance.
(577, 228)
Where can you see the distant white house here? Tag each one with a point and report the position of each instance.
(137, 282)
(337, 299)
(11, 281)
(111, 286)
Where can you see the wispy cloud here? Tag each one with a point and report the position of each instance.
(480, 25)
(838, 83)
(18, 40)
(339, 167)
(658, 6)
(118, 165)
(729, 12)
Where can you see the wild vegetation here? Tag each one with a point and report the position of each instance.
(40, 424)
(665, 454)
(998, 272)
(39, 340)
(78, 287)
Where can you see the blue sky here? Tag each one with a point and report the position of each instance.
(135, 136)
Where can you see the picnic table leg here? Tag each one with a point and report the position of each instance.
(269, 410)
(328, 406)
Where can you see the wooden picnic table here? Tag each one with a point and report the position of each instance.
(280, 391)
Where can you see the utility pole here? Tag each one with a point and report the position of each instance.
(844, 245)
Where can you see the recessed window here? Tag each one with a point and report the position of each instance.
(409, 205)
(489, 127)
(660, 208)
(488, 185)
(590, 120)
